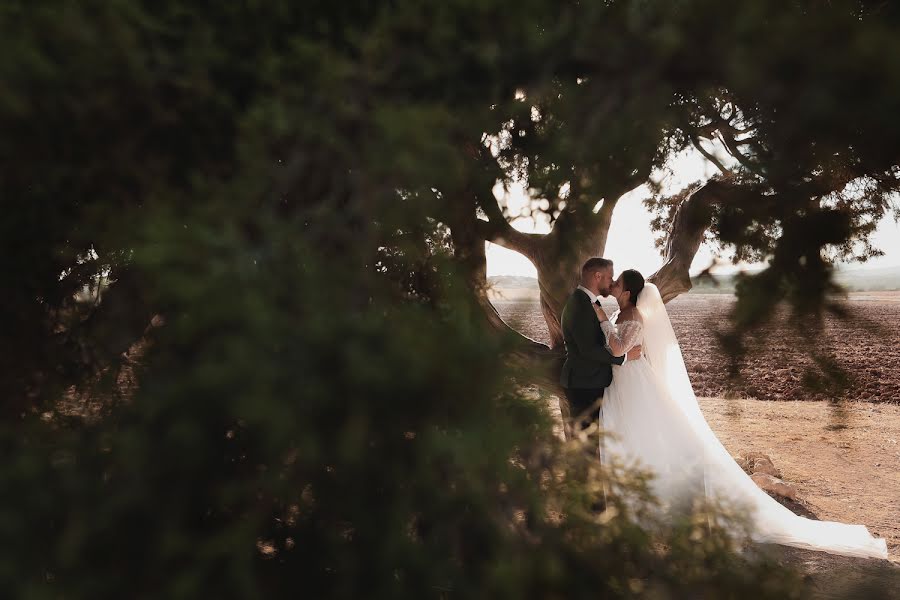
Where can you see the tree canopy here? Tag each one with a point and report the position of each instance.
(283, 378)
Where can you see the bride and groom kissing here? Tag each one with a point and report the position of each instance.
(627, 375)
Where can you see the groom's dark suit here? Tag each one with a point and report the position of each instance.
(588, 367)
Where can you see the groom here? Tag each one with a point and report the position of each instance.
(588, 367)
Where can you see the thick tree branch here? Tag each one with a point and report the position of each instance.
(491, 208)
(688, 228)
(508, 237)
(496, 229)
(581, 224)
(537, 361)
(541, 364)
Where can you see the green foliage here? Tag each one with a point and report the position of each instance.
(809, 167)
(320, 409)
(301, 432)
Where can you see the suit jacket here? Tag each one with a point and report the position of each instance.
(588, 361)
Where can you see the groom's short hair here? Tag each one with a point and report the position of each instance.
(595, 264)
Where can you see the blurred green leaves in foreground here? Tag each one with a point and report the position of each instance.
(240, 352)
(299, 429)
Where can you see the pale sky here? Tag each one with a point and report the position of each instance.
(630, 243)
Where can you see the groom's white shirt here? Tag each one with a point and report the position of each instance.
(589, 293)
(594, 299)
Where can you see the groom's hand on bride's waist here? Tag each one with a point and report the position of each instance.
(634, 353)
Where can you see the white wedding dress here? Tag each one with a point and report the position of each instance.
(652, 416)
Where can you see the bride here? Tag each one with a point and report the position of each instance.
(653, 417)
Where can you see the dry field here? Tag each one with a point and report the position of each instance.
(868, 347)
(845, 464)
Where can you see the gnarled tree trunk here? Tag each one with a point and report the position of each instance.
(685, 236)
(558, 260)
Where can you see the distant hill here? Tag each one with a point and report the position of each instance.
(854, 279)
(866, 280)
(509, 288)
(511, 282)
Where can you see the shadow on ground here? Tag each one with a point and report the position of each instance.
(831, 577)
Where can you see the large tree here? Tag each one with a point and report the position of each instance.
(291, 202)
(580, 102)
(792, 104)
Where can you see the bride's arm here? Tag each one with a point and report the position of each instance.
(621, 339)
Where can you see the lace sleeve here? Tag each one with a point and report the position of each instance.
(622, 337)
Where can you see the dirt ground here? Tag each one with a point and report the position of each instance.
(845, 463)
(867, 347)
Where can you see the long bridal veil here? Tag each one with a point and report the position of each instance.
(723, 478)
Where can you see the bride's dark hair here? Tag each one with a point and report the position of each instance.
(633, 281)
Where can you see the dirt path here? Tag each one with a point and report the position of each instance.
(844, 463)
